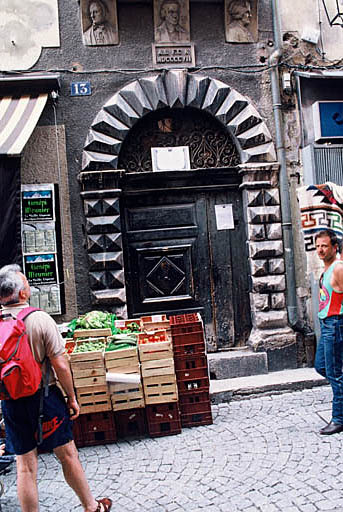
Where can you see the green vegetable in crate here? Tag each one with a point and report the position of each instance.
(133, 327)
(118, 340)
(89, 347)
(93, 320)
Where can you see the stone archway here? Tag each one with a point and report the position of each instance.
(176, 89)
(101, 190)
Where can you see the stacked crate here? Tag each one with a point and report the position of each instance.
(124, 395)
(159, 382)
(191, 368)
(95, 425)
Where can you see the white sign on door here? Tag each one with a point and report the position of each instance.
(224, 216)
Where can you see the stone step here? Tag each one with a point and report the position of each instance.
(237, 363)
(225, 390)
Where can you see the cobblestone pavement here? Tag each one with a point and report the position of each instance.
(261, 454)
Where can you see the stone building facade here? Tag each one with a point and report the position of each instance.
(115, 219)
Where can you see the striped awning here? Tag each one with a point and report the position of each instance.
(18, 118)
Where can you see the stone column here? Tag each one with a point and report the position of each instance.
(261, 203)
(100, 193)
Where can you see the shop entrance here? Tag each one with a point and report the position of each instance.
(179, 255)
(180, 258)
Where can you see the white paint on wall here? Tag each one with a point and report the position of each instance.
(305, 16)
(26, 26)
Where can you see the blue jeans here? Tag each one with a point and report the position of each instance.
(329, 361)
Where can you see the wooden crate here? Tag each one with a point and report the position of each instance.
(157, 367)
(89, 377)
(126, 396)
(158, 350)
(122, 361)
(160, 389)
(154, 322)
(92, 333)
(93, 399)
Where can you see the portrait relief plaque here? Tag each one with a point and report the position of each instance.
(171, 21)
(99, 22)
(241, 24)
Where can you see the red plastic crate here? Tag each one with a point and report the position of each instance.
(189, 362)
(98, 428)
(130, 422)
(164, 428)
(196, 407)
(193, 366)
(192, 399)
(188, 338)
(77, 432)
(196, 419)
(187, 318)
(188, 349)
(188, 386)
(158, 413)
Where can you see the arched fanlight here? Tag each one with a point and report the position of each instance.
(334, 11)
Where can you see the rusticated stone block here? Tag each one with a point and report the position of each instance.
(106, 261)
(259, 267)
(269, 284)
(264, 214)
(276, 266)
(271, 319)
(271, 197)
(265, 249)
(259, 301)
(256, 232)
(105, 224)
(254, 197)
(112, 297)
(274, 231)
(278, 300)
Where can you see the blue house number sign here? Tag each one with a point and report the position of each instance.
(80, 89)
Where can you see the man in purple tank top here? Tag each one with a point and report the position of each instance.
(329, 354)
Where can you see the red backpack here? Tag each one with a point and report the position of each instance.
(20, 373)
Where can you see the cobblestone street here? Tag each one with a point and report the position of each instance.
(261, 454)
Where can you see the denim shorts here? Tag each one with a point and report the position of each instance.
(21, 422)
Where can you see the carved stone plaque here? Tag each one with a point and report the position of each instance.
(173, 55)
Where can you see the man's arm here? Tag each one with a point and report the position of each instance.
(62, 369)
(337, 278)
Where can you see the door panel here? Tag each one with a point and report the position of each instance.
(166, 252)
(176, 260)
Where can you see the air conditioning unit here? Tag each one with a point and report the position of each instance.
(328, 120)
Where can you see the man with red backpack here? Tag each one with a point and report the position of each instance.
(21, 414)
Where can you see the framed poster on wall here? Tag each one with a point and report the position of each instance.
(41, 247)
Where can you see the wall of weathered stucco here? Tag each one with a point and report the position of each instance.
(112, 67)
(308, 17)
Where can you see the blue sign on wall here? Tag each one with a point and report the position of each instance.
(80, 89)
(328, 119)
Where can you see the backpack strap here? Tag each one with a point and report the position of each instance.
(26, 312)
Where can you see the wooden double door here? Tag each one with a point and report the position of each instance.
(179, 257)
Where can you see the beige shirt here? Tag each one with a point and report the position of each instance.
(43, 333)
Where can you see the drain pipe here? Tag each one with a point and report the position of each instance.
(283, 177)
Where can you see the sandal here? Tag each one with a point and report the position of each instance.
(104, 505)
